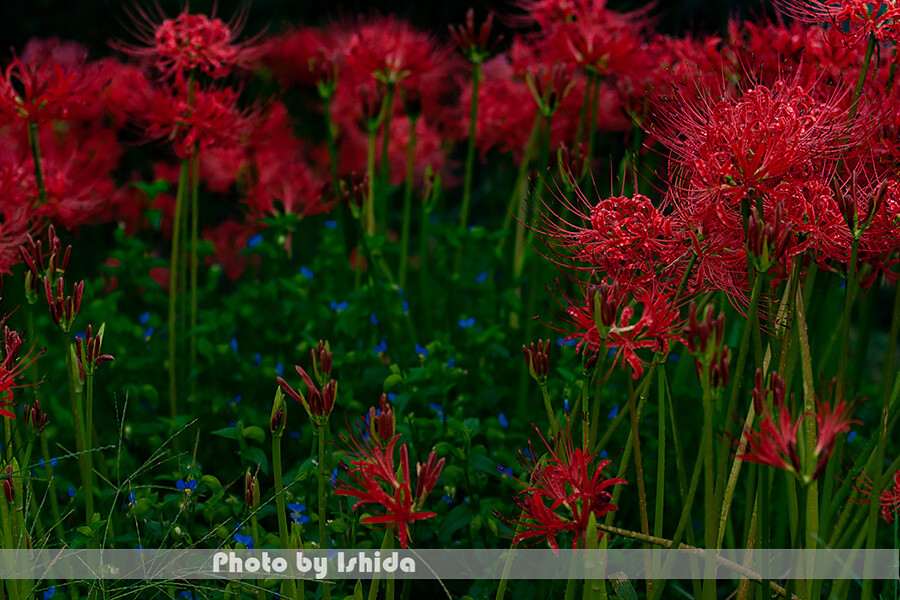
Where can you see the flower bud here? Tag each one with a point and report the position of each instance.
(278, 420)
(474, 42)
(537, 360)
(381, 422)
(251, 490)
(321, 362)
(36, 418)
(8, 489)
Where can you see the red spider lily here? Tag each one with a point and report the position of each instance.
(189, 42)
(15, 226)
(306, 56)
(856, 20)
(87, 351)
(41, 92)
(475, 44)
(375, 479)
(563, 491)
(889, 499)
(775, 443)
(319, 404)
(12, 368)
(63, 309)
(206, 118)
(381, 422)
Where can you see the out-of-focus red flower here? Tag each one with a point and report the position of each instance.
(563, 491)
(41, 92)
(14, 229)
(856, 20)
(177, 46)
(11, 369)
(889, 499)
(375, 479)
(229, 240)
(306, 56)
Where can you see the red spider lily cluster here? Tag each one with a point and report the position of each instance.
(12, 369)
(889, 500)
(376, 479)
(564, 488)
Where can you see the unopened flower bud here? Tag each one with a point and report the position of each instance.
(381, 422)
(36, 418)
(474, 42)
(321, 362)
(8, 489)
(537, 360)
(278, 419)
(251, 490)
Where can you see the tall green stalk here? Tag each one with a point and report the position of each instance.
(195, 228)
(407, 200)
(321, 434)
(173, 287)
(283, 534)
(470, 150)
(384, 171)
(369, 208)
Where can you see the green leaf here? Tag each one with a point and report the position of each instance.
(255, 433)
(228, 433)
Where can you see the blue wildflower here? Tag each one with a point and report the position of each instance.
(405, 307)
(339, 306)
(296, 516)
(234, 345)
(144, 318)
(255, 240)
(481, 277)
(79, 336)
(186, 594)
(53, 462)
(438, 409)
(422, 351)
(603, 454)
(392, 397)
(306, 272)
(528, 453)
(381, 347)
(566, 405)
(148, 333)
(451, 362)
(447, 499)
(330, 224)
(48, 593)
(504, 422)
(246, 540)
(613, 413)
(373, 318)
(71, 492)
(334, 478)
(186, 486)
(130, 502)
(465, 323)
(851, 436)
(505, 471)
(294, 434)
(279, 368)
(611, 353)
(235, 401)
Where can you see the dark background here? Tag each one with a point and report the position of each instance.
(95, 22)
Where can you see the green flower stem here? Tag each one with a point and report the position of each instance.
(638, 463)
(733, 476)
(89, 442)
(330, 134)
(737, 375)
(322, 434)
(591, 134)
(384, 170)
(389, 582)
(6, 541)
(254, 527)
(369, 208)
(660, 488)
(195, 234)
(78, 421)
(507, 566)
(582, 116)
(861, 80)
(595, 405)
(849, 299)
(26, 586)
(407, 201)
(173, 287)
(424, 240)
(51, 488)
(35, 143)
(470, 151)
(709, 508)
(551, 415)
(283, 534)
(386, 544)
(520, 188)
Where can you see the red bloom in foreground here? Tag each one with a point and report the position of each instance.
(375, 479)
(187, 42)
(11, 369)
(564, 490)
(41, 92)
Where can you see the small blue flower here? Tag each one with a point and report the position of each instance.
(294, 434)
(339, 306)
(148, 333)
(405, 307)
(603, 454)
(504, 422)
(851, 436)
(235, 401)
(49, 592)
(71, 492)
(246, 540)
(422, 351)
(566, 405)
(53, 462)
(481, 277)
(528, 453)
(465, 323)
(186, 594)
(279, 368)
(562, 342)
(438, 409)
(234, 345)
(257, 358)
(144, 318)
(505, 471)
(613, 413)
(611, 353)
(306, 272)
(130, 502)
(373, 318)
(381, 347)
(80, 335)
(334, 477)
(330, 224)
(186, 486)
(392, 397)
(447, 499)
(674, 357)
(296, 516)
(451, 362)
(255, 240)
